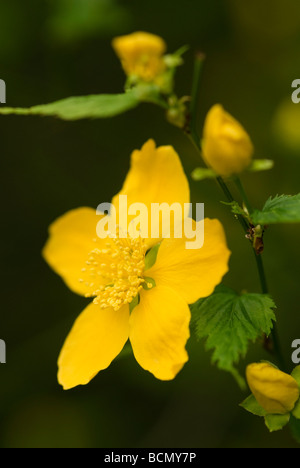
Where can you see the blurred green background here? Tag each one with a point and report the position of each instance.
(58, 48)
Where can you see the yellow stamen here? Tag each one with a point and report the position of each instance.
(114, 274)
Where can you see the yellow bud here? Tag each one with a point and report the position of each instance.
(227, 147)
(141, 54)
(274, 390)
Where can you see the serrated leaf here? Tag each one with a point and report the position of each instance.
(280, 209)
(230, 321)
(259, 165)
(252, 406)
(82, 107)
(276, 422)
(202, 173)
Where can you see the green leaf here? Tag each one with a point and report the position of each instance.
(236, 208)
(151, 256)
(259, 165)
(251, 405)
(75, 108)
(296, 375)
(134, 303)
(296, 411)
(149, 283)
(230, 321)
(202, 173)
(276, 422)
(295, 429)
(280, 209)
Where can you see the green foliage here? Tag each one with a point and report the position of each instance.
(252, 406)
(276, 422)
(83, 107)
(259, 165)
(280, 209)
(149, 283)
(202, 173)
(296, 411)
(236, 208)
(134, 303)
(230, 321)
(151, 257)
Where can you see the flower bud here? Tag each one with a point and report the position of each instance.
(141, 55)
(227, 147)
(274, 390)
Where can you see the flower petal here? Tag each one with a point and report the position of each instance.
(276, 391)
(97, 337)
(156, 176)
(194, 274)
(159, 330)
(70, 241)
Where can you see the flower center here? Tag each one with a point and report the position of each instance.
(114, 274)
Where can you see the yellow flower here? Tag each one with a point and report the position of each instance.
(113, 272)
(274, 390)
(141, 55)
(227, 147)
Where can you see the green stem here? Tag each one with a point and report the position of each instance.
(230, 198)
(192, 133)
(263, 279)
(274, 334)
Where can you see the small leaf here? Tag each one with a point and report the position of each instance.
(276, 422)
(83, 107)
(151, 256)
(230, 321)
(202, 173)
(259, 165)
(149, 283)
(236, 208)
(296, 411)
(280, 209)
(251, 405)
(134, 303)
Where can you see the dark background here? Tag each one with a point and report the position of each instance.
(58, 48)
